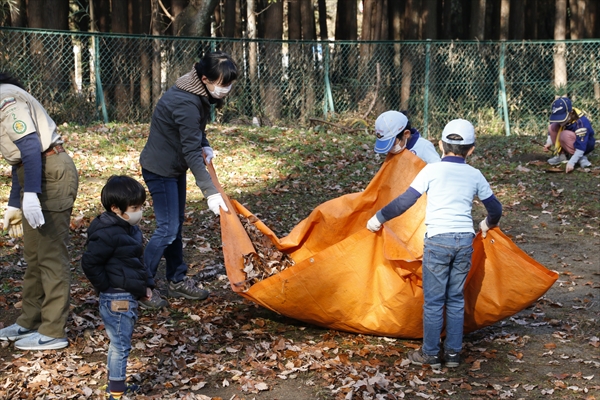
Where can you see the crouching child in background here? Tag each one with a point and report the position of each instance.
(451, 186)
(394, 134)
(113, 262)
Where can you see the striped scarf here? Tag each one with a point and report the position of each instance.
(190, 83)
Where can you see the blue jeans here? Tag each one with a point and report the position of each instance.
(446, 264)
(168, 199)
(119, 327)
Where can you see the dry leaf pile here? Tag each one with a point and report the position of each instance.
(267, 260)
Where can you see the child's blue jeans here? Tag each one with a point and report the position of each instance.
(446, 264)
(119, 313)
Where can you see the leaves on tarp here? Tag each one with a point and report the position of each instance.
(267, 260)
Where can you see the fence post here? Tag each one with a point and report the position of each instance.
(328, 100)
(426, 99)
(503, 88)
(99, 90)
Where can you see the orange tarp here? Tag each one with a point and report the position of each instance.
(348, 278)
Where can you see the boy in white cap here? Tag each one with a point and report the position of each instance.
(394, 134)
(451, 186)
(571, 133)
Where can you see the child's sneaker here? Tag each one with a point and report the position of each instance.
(187, 289)
(154, 303)
(15, 332)
(451, 360)
(584, 162)
(561, 158)
(417, 357)
(37, 341)
(131, 389)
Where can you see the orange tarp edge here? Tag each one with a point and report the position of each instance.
(350, 279)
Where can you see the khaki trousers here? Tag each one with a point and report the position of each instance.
(47, 280)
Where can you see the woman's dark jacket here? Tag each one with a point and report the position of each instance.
(113, 258)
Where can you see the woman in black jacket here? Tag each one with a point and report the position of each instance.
(113, 262)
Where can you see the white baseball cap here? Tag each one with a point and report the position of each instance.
(460, 127)
(387, 126)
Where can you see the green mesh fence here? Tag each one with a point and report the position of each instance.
(501, 86)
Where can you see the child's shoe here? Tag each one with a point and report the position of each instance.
(187, 289)
(561, 158)
(451, 360)
(417, 357)
(154, 303)
(131, 389)
(584, 162)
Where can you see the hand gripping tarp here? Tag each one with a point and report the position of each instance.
(348, 278)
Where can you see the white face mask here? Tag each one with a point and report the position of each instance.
(397, 148)
(219, 91)
(134, 217)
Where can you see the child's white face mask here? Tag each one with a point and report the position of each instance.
(134, 217)
(398, 148)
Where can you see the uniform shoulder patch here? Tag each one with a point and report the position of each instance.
(6, 102)
(581, 131)
(19, 126)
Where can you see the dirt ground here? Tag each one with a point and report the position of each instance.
(229, 348)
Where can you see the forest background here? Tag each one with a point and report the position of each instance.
(498, 62)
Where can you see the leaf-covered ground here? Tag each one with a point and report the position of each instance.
(229, 348)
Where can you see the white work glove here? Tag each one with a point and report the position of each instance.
(373, 224)
(215, 201)
(32, 210)
(13, 222)
(209, 153)
(483, 225)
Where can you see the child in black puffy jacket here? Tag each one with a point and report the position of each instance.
(114, 265)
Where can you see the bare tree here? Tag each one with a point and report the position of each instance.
(323, 20)
(430, 19)
(504, 19)
(194, 19)
(271, 59)
(156, 58)
(577, 25)
(410, 32)
(345, 21)
(560, 29)
(478, 19)
(18, 16)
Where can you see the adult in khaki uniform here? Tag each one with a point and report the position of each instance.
(44, 188)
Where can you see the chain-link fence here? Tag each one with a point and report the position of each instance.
(502, 86)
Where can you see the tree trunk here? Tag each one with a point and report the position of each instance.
(177, 7)
(577, 21)
(307, 12)
(294, 24)
(411, 18)
(229, 28)
(345, 21)
(447, 31)
(120, 71)
(517, 18)
(194, 20)
(560, 29)
(156, 59)
(430, 19)
(145, 59)
(251, 33)
(271, 65)
(323, 20)
(102, 15)
(504, 19)
(477, 19)
(18, 16)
